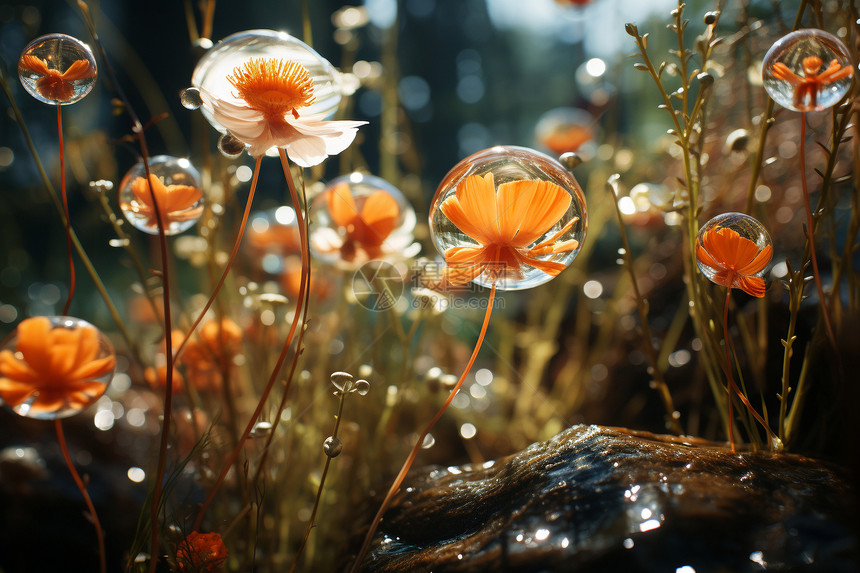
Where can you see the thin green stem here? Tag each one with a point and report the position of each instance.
(795, 294)
(320, 488)
(389, 497)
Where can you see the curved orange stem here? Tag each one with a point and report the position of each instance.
(61, 438)
(281, 358)
(398, 481)
(66, 212)
(810, 227)
(230, 261)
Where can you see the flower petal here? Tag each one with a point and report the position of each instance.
(378, 218)
(551, 268)
(705, 257)
(759, 262)
(513, 203)
(79, 70)
(93, 369)
(34, 64)
(728, 248)
(341, 205)
(181, 197)
(549, 204)
(15, 369)
(14, 393)
(32, 338)
(753, 286)
(307, 151)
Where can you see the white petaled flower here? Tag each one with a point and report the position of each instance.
(264, 112)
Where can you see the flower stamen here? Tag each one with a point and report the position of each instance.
(273, 87)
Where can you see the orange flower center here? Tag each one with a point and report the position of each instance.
(811, 65)
(273, 87)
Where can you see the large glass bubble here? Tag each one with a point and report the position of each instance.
(176, 185)
(733, 250)
(54, 367)
(57, 69)
(358, 218)
(508, 216)
(236, 50)
(807, 70)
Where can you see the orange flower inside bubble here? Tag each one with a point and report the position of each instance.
(361, 218)
(730, 259)
(506, 225)
(57, 366)
(177, 204)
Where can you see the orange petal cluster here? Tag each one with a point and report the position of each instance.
(205, 358)
(735, 259)
(53, 368)
(366, 228)
(174, 201)
(506, 225)
(813, 80)
(201, 553)
(53, 85)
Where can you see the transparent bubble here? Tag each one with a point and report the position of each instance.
(359, 218)
(190, 98)
(236, 50)
(570, 160)
(57, 69)
(343, 381)
(176, 184)
(230, 145)
(732, 249)
(520, 218)
(807, 70)
(332, 447)
(564, 129)
(54, 367)
(362, 387)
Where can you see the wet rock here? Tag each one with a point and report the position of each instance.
(606, 499)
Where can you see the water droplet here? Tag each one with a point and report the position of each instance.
(570, 160)
(343, 381)
(362, 387)
(190, 98)
(230, 146)
(261, 429)
(332, 447)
